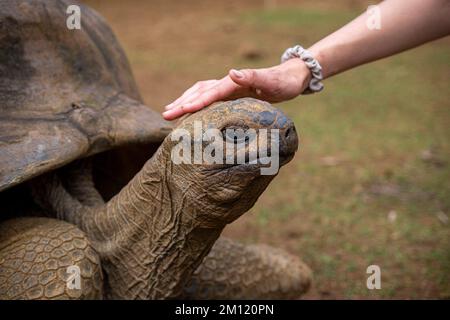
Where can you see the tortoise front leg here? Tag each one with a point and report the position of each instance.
(37, 257)
(236, 271)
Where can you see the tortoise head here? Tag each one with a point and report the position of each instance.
(224, 156)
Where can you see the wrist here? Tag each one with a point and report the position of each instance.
(320, 57)
(301, 72)
(296, 75)
(314, 67)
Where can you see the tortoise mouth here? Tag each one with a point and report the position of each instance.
(263, 161)
(254, 165)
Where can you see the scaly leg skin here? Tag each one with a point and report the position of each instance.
(236, 271)
(35, 254)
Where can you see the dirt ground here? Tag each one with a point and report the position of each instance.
(370, 184)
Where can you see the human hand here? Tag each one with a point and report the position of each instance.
(275, 84)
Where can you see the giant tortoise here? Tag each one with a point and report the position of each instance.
(92, 206)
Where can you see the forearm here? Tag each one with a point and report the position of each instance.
(404, 24)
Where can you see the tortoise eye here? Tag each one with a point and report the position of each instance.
(234, 134)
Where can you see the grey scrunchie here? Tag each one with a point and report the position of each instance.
(315, 85)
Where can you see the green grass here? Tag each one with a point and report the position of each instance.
(376, 120)
(305, 23)
(292, 17)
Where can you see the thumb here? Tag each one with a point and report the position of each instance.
(248, 78)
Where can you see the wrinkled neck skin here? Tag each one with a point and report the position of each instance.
(146, 237)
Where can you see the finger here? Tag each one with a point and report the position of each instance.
(192, 90)
(173, 113)
(187, 92)
(196, 104)
(222, 90)
(256, 78)
(216, 93)
(195, 94)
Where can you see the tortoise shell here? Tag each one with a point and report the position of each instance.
(64, 94)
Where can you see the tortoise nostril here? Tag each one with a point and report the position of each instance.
(289, 143)
(288, 132)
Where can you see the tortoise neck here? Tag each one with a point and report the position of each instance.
(148, 247)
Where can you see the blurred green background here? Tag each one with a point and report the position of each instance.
(370, 184)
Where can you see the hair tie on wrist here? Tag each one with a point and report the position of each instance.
(313, 65)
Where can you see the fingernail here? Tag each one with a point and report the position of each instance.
(237, 73)
(168, 112)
